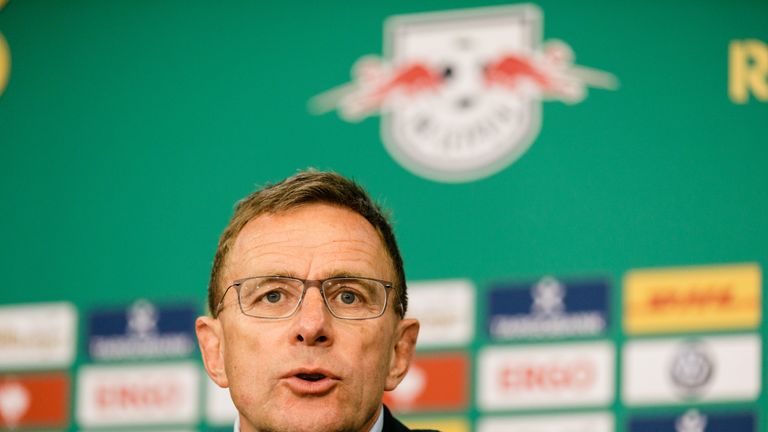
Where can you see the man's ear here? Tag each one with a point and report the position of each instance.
(210, 339)
(405, 344)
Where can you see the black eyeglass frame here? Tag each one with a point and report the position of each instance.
(306, 284)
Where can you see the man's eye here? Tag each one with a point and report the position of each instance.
(273, 297)
(347, 297)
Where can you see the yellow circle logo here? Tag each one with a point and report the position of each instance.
(5, 58)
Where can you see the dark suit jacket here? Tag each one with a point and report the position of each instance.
(392, 425)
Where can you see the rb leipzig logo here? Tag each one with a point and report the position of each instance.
(460, 92)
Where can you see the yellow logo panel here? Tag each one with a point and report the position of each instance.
(441, 424)
(5, 58)
(692, 298)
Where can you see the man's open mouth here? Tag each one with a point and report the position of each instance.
(312, 382)
(311, 376)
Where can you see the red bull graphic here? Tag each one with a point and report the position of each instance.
(459, 92)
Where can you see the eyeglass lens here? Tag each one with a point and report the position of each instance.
(279, 297)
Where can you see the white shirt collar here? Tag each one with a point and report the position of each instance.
(377, 427)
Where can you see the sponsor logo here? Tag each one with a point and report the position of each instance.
(437, 423)
(692, 368)
(694, 421)
(694, 298)
(691, 421)
(5, 58)
(219, 408)
(142, 331)
(138, 395)
(460, 92)
(747, 70)
(37, 336)
(716, 368)
(435, 382)
(592, 422)
(548, 308)
(37, 400)
(445, 309)
(537, 376)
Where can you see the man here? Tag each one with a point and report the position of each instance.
(307, 298)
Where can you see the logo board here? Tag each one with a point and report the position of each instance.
(541, 376)
(35, 336)
(442, 424)
(433, 383)
(460, 92)
(142, 330)
(678, 370)
(219, 408)
(688, 299)
(694, 420)
(588, 422)
(34, 400)
(445, 310)
(548, 308)
(165, 393)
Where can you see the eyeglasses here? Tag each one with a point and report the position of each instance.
(275, 297)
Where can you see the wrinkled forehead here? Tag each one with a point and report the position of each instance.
(441, 37)
(319, 230)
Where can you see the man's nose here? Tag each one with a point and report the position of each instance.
(313, 319)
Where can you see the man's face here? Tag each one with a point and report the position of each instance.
(271, 366)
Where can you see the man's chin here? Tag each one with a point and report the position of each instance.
(313, 415)
(300, 423)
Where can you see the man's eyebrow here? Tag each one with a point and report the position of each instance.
(327, 275)
(283, 273)
(344, 273)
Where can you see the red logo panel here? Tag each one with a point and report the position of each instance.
(39, 400)
(434, 383)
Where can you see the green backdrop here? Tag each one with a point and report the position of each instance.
(128, 129)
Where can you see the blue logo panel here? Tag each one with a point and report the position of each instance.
(142, 330)
(548, 308)
(694, 421)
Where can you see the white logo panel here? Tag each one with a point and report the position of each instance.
(219, 408)
(166, 393)
(445, 310)
(34, 336)
(592, 422)
(716, 368)
(539, 376)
